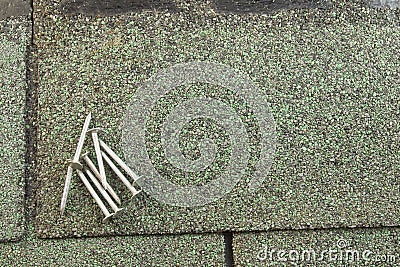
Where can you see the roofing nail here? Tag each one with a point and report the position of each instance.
(102, 191)
(120, 175)
(95, 196)
(119, 161)
(95, 139)
(75, 159)
(92, 167)
(76, 165)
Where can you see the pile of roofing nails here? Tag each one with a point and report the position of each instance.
(95, 175)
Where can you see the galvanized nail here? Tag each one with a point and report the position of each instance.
(120, 175)
(76, 165)
(92, 167)
(95, 139)
(95, 196)
(119, 161)
(102, 191)
(75, 159)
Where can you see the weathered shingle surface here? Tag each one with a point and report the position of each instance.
(14, 39)
(329, 71)
(334, 247)
(14, 8)
(330, 76)
(187, 250)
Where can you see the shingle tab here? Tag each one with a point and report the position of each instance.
(14, 38)
(185, 250)
(335, 247)
(330, 77)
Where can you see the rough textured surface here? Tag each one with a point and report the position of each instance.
(14, 8)
(386, 3)
(185, 250)
(331, 77)
(265, 6)
(113, 7)
(280, 51)
(14, 38)
(340, 247)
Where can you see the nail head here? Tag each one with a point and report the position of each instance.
(76, 165)
(95, 130)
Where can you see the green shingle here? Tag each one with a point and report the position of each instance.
(330, 77)
(14, 37)
(184, 250)
(335, 247)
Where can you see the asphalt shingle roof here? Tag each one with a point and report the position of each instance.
(185, 250)
(329, 75)
(333, 247)
(329, 71)
(14, 38)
